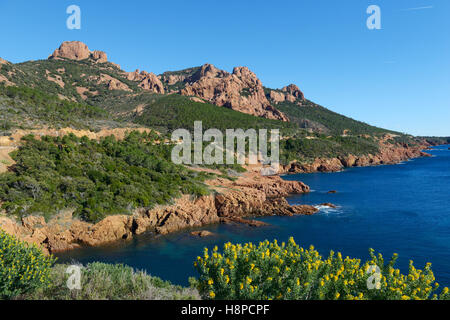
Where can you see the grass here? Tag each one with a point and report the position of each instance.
(101, 281)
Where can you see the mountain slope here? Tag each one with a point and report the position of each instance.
(75, 73)
(319, 119)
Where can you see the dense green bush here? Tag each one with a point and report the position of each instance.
(97, 178)
(175, 111)
(23, 267)
(311, 115)
(304, 149)
(101, 281)
(29, 107)
(289, 272)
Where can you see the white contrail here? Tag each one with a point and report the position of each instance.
(418, 8)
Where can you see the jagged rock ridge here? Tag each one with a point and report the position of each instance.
(289, 93)
(241, 91)
(147, 81)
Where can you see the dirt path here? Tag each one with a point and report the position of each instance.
(5, 159)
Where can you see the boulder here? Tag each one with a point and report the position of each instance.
(251, 223)
(202, 234)
(76, 50)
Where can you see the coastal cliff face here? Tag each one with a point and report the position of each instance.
(250, 195)
(389, 154)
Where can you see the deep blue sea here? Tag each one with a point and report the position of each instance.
(402, 209)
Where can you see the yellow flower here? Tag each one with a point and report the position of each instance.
(212, 294)
(210, 282)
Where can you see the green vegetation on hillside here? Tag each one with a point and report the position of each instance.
(168, 113)
(27, 108)
(97, 178)
(311, 115)
(171, 112)
(306, 149)
(72, 75)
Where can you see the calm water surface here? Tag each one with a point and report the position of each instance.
(401, 208)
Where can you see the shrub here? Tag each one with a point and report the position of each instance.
(101, 281)
(289, 272)
(23, 267)
(96, 178)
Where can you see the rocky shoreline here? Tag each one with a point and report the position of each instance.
(231, 202)
(250, 195)
(389, 154)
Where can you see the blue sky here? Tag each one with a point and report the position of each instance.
(397, 77)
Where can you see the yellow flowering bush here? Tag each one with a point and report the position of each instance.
(23, 267)
(271, 271)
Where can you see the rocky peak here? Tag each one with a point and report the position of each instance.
(289, 93)
(293, 90)
(208, 71)
(147, 81)
(76, 50)
(247, 76)
(241, 91)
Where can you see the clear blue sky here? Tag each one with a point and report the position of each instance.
(397, 77)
